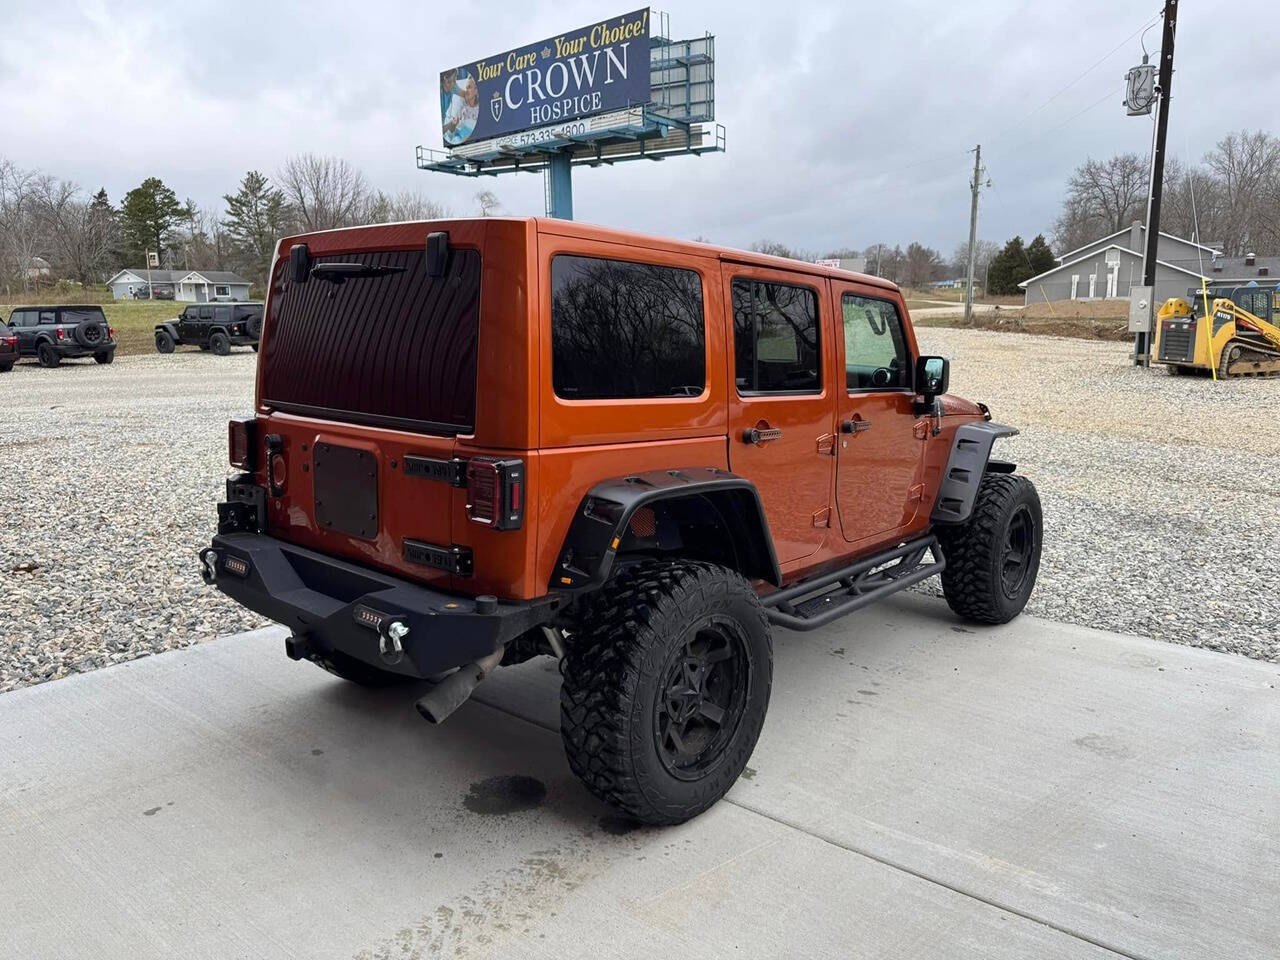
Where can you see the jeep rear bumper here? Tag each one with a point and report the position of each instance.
(330, 604)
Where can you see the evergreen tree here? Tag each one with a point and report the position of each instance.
(1008, 268)
(1040, 257)
(257, 216)
(147, 217)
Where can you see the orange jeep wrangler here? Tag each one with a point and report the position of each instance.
(479, 441)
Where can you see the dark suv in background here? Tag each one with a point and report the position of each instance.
(212, 326)
(57, 333)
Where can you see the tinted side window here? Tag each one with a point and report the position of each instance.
(206, 313)
(875, 351)
(19, 318)
(621, 329)
(776, 340)
(222, 314)
(48, 316)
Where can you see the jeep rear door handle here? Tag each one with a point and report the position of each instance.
(759, 435)
(855, 425)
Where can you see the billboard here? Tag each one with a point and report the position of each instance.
(601, 67)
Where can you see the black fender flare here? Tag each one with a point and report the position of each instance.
(605, 512)
(170, 328)
(969, 460)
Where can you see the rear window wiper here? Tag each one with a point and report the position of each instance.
(342, 272)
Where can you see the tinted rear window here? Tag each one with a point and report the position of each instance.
(622, 329)
(75, 316)
(394, 350)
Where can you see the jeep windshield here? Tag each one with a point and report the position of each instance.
(388, 345)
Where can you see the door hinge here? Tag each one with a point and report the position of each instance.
(916, 493)
(822, 518)
(827, 444)
(921, 429)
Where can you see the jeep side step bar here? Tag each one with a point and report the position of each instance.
(818, 600)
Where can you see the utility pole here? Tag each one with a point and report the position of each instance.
(1164, 93)
(975, 186)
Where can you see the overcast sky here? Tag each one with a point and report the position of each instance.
(847, 123)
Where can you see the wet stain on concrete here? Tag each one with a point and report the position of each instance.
(961, 630)
(617, 826)
(499, 796)
(869, 693)
(748, 773)
(838, 652)
(1104, 746)
(316, 752)
(152, 812)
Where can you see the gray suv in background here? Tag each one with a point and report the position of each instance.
(57, 333)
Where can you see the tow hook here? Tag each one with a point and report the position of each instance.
(209, 564)
(389, 646)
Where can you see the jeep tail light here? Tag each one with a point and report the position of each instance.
(111, 333)
(240, 437)
(495, 492)
(61, 333)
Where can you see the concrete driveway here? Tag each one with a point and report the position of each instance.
(922, 789)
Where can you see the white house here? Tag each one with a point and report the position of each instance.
(1110, 266)
(192, 286)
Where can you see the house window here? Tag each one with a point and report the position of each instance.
(1075, 285)
(221, 290)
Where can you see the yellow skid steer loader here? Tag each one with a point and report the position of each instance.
(1231, 341)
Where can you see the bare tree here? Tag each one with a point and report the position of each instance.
(488, 203)
(923, 264)
(20, 225)
(1246, 166)
(80, 234)
(323, 192)
(983, 254)
(1103, 196)
(407, 205)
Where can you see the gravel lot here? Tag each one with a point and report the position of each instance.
(1162, 509)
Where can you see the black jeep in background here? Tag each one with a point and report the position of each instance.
(57, 333)
(212, 326)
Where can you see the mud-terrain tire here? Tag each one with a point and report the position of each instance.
(89, 333)
(47, 355)
(993, 557)
(6, 368)
(220, 343)
(666, 685)
(357, 671)
(254, 326)
(106, 356)
(164, 342)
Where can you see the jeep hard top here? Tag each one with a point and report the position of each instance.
(478, 441)
(64, 331)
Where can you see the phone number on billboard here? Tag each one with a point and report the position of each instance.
(545, 134)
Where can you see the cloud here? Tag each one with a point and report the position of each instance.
(847, 124)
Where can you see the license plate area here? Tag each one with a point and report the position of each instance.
(346, 490)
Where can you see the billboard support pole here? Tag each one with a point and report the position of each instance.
(560, 194)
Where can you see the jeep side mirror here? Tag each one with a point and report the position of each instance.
(300, 262)
(933, 375)
(437, 254)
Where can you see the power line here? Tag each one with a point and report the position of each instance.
(1103, 59)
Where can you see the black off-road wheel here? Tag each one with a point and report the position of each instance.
(357, 671)
(47, 355)
(666, 685)
(993, 558)
(220, 343)
(164, 342)
(106, 356)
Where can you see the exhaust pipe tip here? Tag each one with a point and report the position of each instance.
(452, 692)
